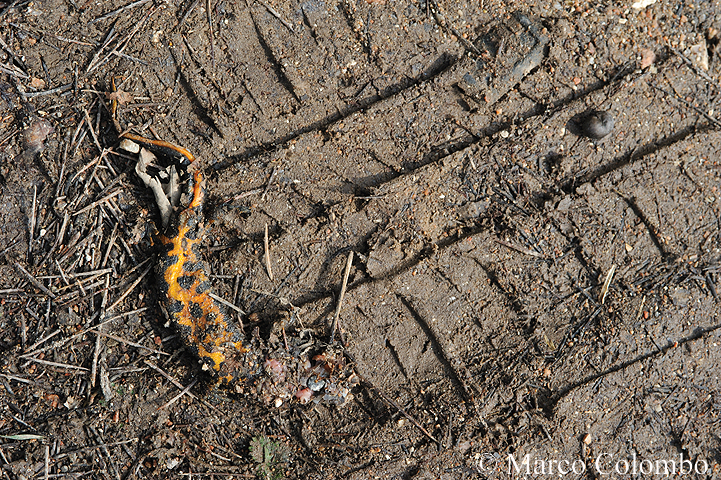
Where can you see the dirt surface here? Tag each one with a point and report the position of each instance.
(517, 288)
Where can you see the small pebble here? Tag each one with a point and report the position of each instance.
(597, 125)
(129, 146)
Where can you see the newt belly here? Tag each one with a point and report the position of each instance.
(275, 375)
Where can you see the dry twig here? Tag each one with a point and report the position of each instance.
(131, 287)
(607, 283)
(119, 10)
(177, 397)
(33, 281)
(266, 255)
(270, 182)
(226, 303)
(346, 273)
(277, 15)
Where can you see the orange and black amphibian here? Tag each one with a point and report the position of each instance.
(202, 321)
(276, 376)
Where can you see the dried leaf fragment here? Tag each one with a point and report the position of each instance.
(121, 97)
(144, 159)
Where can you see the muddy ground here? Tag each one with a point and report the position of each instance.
(517, 288)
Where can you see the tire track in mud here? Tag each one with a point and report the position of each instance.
(570, 183)
(566, 185)
(476, 137)
(654, 147)
(252, 152)
(698, 334)
(434, 78)
(439, 349)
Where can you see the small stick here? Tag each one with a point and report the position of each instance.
(108, 38)
(33, 281)
(607, 283)
(711, 286)
(216, 474)
(689, 105)
(392, 402)
(371, 197)
(190, 10)
(180, 385)
(32, 313)
(111, 242)
(115, 12)
(11, 71)
(12, 55)
(23, 331)
(5, 459)
(32, 221)
(79, 129)
(177, 397)
(61, 177)
(246, 194)
(236, 284)
(104, 449)
(14, 242)
(61, 232)
(43, 340)
(226, 303)
(92, 132)
(348, 264)
(11, 291)
(209, 12)
(131, 58)
(92, 163)
(17, 379)
(52, 91)
(640, 308)
(2, 14)
(168, 377)
(125, 42)
(60, 343)
(14, 131)
(70, 40)
(277, 15)
(696, 70)
(72, 298)
(266, 255)
(130, 288)
(97, 202)
(96, 355)
(270, 181)
(519, 249)
(128, 342)
(93, 447)
(55, 364)
(98, 346)
(47, 462)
